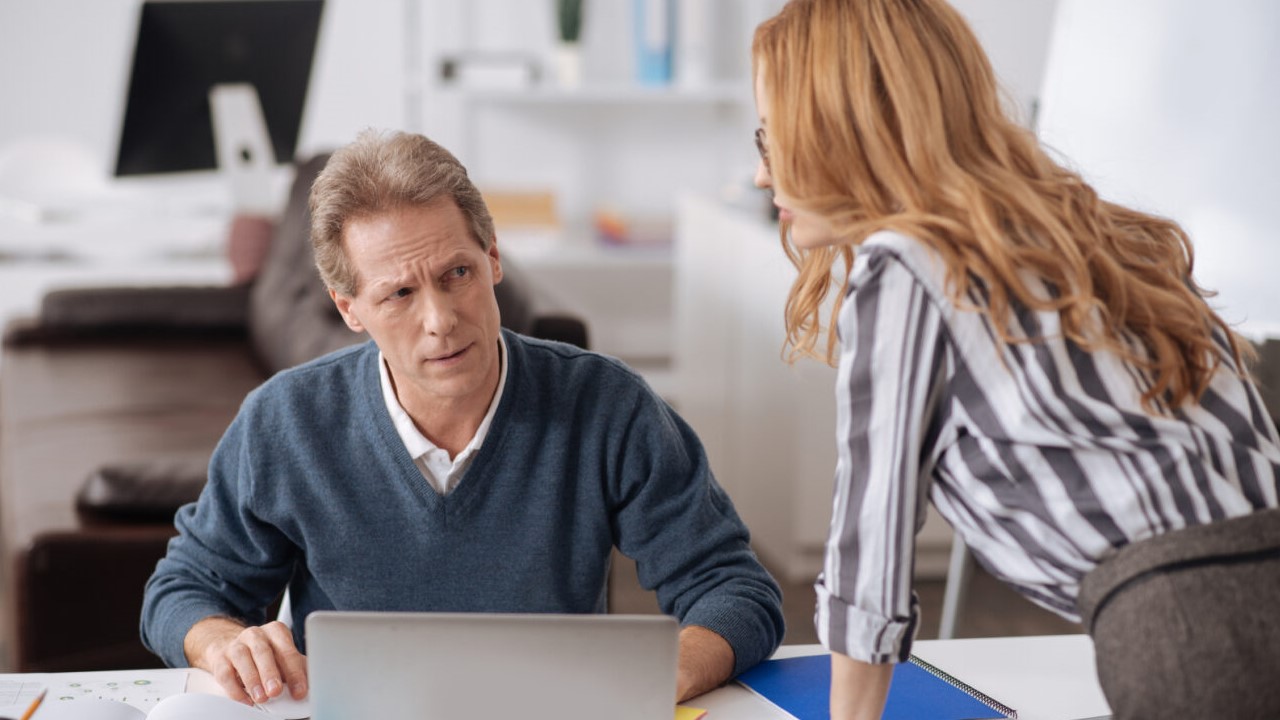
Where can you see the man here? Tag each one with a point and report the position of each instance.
(447, 464)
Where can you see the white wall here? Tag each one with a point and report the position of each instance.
(63, 69)
(1015, 35)
(1173, 106)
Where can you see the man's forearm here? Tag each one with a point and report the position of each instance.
(706, 662)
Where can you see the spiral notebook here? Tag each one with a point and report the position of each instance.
(801, 686)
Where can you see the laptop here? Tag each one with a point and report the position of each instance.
(476, 666)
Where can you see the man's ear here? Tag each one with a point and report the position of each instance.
(495, 261)
(343, 304)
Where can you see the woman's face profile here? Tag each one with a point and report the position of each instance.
(808, 229)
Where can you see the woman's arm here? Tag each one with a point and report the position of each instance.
(858, 689)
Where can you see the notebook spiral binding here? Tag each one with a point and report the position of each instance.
(969, 690)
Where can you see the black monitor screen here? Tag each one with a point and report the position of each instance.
(184, 48)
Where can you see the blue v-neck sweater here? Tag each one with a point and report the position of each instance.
(312, 488)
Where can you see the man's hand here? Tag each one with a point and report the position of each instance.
(252, 664)
(706, 661)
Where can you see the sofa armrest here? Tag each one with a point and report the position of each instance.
(77, 596)
(88, 313)
(141, 491)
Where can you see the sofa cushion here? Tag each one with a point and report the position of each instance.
(291, 318)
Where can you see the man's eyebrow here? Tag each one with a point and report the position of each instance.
(388, 282)
(453, 260)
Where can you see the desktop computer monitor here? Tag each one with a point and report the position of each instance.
(184, 48)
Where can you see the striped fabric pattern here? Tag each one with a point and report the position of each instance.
(1039, 454)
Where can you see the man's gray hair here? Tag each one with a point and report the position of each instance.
(378, 173)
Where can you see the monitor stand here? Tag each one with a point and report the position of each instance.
(245, 158)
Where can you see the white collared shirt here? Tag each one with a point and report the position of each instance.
(441, 471)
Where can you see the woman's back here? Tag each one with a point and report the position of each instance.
(1040, 454)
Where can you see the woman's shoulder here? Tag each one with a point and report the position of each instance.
(888, 255)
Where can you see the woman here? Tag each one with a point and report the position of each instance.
(1037, 362)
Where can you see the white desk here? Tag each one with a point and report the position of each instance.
(1043, 678)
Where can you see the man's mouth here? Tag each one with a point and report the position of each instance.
(449, 356)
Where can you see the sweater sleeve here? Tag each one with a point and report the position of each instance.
(223, 562)
(688, 542)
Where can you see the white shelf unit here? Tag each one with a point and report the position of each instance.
(608, 144)
(729, 93)
(619, 147)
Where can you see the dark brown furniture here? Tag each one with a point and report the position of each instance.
(111, 402)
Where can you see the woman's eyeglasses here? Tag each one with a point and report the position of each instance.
(763, 147)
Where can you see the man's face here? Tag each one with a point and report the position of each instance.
(424, 293)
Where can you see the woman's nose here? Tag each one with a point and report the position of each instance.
(763, 179)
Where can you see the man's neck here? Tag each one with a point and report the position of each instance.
(449, 428)
(449, 423)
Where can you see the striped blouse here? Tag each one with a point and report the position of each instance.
(1039, 454)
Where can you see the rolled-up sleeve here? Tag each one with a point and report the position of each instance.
(891, 361)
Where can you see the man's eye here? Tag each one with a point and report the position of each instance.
(401, 293)
(459, 272)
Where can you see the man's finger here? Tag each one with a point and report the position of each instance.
(254, 660)
(292, 664)
(225, 673)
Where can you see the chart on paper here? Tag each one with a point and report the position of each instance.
(15, 693)
(141, 689)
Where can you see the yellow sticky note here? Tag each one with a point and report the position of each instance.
(684, 712)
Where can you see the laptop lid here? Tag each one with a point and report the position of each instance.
(429, 666)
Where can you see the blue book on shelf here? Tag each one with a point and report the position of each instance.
(802, 685)
(655, 26)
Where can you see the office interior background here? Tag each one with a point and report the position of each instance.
(627, 201)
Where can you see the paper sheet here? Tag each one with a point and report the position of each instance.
(16, 694)
(141, 689)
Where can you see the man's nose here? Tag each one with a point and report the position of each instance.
(439, 314)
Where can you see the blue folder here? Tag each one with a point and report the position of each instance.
(802, 686)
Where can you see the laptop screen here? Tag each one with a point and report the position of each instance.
(480, 665)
